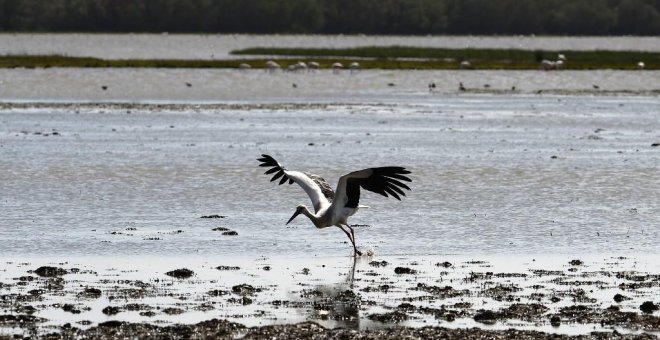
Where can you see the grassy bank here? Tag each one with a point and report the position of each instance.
(45, 61)
(395, 57)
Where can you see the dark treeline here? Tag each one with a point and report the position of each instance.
(502, 17)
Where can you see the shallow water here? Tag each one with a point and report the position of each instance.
(196, 46)
(507, 174)
(257, 86)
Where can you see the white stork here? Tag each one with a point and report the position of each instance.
(354, 66)
(336, 67)
(334, 208)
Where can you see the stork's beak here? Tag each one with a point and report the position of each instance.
(298, 211)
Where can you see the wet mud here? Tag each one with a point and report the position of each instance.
(432, 299)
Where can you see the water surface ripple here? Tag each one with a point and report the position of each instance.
(492, 175)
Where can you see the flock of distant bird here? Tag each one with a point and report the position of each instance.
(301, 66)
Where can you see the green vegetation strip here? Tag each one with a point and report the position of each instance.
(395, 57)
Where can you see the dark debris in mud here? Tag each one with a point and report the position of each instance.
(412, 300)
(391, 317)
(245, 289)
(377, 264)
(441, 292)
(182, 273)
(222, 329)
(213, 216)
(648, 307)
(20, 320)
(90, 293)
(211, 329)
(404, 270)
(47, 271)
(611, 316)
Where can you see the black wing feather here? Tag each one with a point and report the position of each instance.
(270, 171)
(275, 167)
(385, 181)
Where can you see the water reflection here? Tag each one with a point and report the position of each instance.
(335, 304)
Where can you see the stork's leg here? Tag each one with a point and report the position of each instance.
(350, 237)
(353, 238)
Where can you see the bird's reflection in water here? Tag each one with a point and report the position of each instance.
(337, 304)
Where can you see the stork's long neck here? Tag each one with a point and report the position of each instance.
(315, 219)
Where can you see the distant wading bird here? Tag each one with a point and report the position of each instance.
(334, 208)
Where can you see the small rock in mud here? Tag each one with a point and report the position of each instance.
(220, 229)
(648, 307)
(555, 321)
(487, 317)
(92, 293)
(244, 289)
(110, 310)
(404, 270)
(392, 317)
(576, 262)
(227, 268)
(445, 264)
(382, 263)
(70, 308)
(618, 298)
(655, 144)
(218, 292)
(111, 324)
(213, 216)
(204, 307)
(173, 311)
(230, 233)
(243, 300)
(36, 292)
(47, 271)
(136, 307)
(182, 273)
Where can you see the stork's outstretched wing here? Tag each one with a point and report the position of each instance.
(385, 181)
(318, 190)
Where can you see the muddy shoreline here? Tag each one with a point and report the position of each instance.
(370, 299)
(221, 329)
